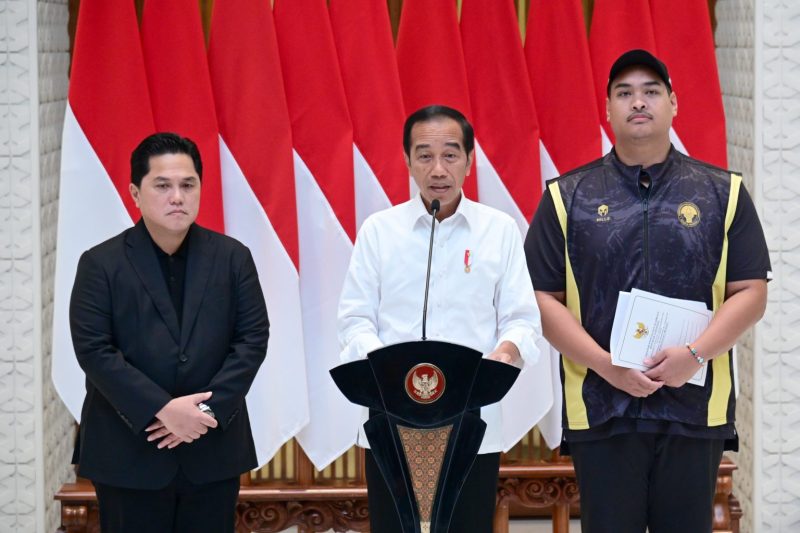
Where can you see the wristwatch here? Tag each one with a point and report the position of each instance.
(206, 409)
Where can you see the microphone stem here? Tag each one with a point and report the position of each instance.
(428, 276)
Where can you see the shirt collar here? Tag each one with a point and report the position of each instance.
(182, 250)
(420, 215)
(656, 172)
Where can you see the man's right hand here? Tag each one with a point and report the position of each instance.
(630, 380)
(181, 418)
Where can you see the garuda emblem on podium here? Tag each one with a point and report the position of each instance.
(425, 383)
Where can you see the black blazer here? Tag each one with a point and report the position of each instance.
(136, 357)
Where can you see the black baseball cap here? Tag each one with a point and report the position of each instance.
(638, 58)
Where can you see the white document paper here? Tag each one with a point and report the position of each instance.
(645, 322)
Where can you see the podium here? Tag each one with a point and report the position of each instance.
(424, 428)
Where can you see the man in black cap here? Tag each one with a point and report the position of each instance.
(646, 444)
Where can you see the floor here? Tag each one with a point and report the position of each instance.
(519, 526)
(540, 526)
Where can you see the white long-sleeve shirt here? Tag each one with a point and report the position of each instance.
(481, 306)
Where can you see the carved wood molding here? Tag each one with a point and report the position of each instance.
(263, 509)
(538, 493)
(80, 517)
(308, 516)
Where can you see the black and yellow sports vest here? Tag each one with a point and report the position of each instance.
(670, 238)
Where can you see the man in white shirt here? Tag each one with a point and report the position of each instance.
(480, 292)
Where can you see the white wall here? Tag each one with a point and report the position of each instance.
(759, 58)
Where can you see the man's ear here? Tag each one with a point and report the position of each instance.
(470, 156)
(673, 98)
(134, 190)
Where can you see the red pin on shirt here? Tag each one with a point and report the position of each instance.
(467, 261)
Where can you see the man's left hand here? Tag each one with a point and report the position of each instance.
(674, 366)
(507, 353)
(167, 439)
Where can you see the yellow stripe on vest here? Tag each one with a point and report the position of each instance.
(721, 385)
(574, 374)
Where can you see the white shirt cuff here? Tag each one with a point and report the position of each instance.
(523, 340)
(359, 346)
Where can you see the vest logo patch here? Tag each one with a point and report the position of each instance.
(602, 214)
(688, 214)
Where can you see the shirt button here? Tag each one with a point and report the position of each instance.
(183, 358)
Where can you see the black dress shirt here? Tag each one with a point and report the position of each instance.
(173, 268)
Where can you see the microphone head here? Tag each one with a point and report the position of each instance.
(434, 206)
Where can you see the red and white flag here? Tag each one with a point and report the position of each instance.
(617, 26)
(508, 158)
(259, 199)
(557, 54)
(323, 141)
(680, 26)
(509, 171)
(363, 37)
(180, 90)
(431, 62)
(108, 114)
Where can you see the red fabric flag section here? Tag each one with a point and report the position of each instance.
(509, 172)
(259, 198)
(108, 114)
(363, 37)
(323, 142)
(431, 62)
(679, 26)
(180, 89)
(617, 26)
(557, 53)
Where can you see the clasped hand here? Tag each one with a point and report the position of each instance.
(674, 366)
(180, 421)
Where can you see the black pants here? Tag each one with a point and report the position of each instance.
(634, 482)
(474, 512)
(180, 507)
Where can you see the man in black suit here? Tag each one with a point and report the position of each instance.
(169, 323)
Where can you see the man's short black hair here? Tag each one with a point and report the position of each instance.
(433, 112)
(160, 144)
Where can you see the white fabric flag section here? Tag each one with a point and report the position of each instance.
(278, 398)
(370, 196)
(531, 400)
(550, 424)
(549, 170)
(676, 141)
(493, 192)
(324, 257)
(605, 141)
(90, 212)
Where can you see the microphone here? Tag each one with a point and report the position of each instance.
(434, 210)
